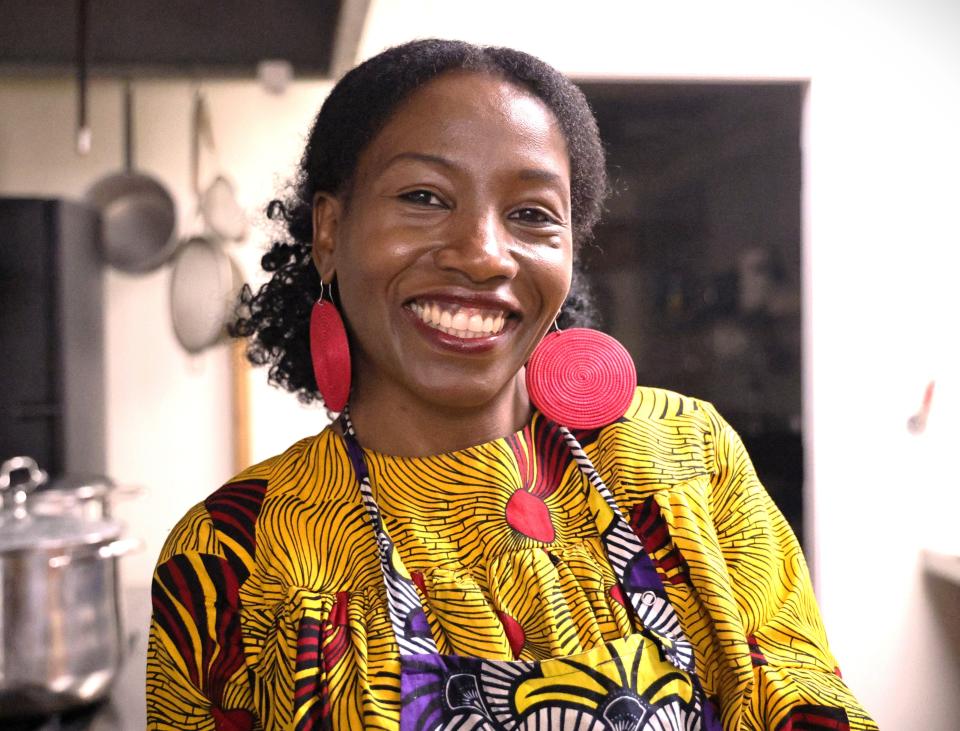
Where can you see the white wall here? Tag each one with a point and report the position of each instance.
(881, 256)
(882, 155)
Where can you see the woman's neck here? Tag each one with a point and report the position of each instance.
(410, 427)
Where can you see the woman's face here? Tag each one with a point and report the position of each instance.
(453, 249)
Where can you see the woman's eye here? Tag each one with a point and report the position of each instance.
(535, 216)
(422, 198)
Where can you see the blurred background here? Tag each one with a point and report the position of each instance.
(783, 241)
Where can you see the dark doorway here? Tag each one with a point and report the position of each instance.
(696, 266)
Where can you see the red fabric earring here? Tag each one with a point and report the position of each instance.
(330, 353)
(581, 378)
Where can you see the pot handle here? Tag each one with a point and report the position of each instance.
(127, 491)
(36, 477)
(113, 549)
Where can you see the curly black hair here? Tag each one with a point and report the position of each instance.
(276, 318)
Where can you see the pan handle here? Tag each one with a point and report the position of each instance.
(35, 478)
(128, 126)
(196, 123)
(201, 138)
(84, 133)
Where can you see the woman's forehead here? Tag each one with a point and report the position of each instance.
(459, 113)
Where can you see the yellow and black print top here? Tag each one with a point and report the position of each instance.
(270, 608)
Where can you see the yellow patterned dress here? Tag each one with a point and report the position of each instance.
(270, 608)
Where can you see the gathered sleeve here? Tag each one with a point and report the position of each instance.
(794, 680)
(196, 672)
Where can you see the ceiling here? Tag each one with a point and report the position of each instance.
(176, 37)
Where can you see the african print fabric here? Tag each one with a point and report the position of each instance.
(270, 608)
(638, 683)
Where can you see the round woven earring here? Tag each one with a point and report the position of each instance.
(330, 352)
(581, 378)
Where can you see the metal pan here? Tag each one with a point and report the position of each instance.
(204, 286)
(138, 214)
(221, 211)
(217, 204)
(205, 280)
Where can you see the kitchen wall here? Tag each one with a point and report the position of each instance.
(168, 413)
(881, 243)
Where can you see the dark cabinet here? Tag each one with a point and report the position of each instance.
(52, 399)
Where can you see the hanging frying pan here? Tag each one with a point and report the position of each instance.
(205, 281)
(218, 201)
(138, 215)
(204, 286)
(221, 211)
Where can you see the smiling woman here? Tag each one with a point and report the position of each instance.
(459, 213)
(449, 554)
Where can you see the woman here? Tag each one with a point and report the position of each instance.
(445, 555)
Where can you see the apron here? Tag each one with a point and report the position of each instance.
(644, 681)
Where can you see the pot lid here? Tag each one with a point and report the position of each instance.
(65, 492)
(21, 528)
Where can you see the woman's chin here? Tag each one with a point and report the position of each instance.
(472, 397)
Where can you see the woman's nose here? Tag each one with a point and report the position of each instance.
(480, 247)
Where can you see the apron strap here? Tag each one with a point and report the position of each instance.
(633, 567)
(406, 611)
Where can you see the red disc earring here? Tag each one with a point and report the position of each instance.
(330, 353)
(581, 378)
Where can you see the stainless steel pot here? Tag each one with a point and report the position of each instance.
(61, 636)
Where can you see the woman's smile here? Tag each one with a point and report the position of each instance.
(460, 320)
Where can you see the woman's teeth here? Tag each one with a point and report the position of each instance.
(462, 322)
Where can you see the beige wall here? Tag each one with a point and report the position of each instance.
(881, 255)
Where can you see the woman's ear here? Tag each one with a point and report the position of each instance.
(326, 222)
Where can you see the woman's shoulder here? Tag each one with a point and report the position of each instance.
(664, 433)
(660, 404)
(225, 520)
(667, 412)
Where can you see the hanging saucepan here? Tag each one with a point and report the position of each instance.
(218, 202)
(61, 638)
(221, 210)
(205, 280)
(138, 214)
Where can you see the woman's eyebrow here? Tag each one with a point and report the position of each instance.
(546, 176)
(538, 174)
(419, 157)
